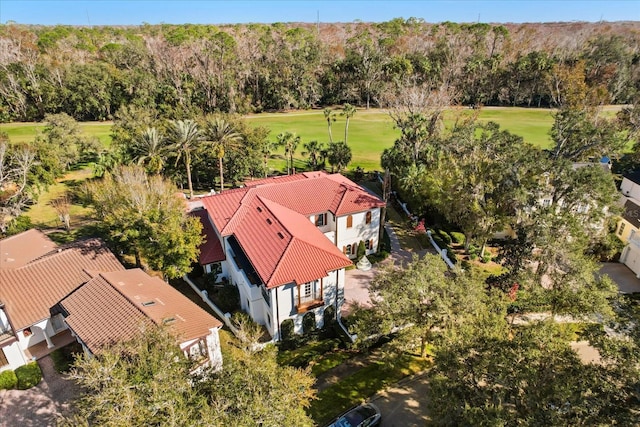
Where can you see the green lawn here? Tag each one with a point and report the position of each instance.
(370, 131)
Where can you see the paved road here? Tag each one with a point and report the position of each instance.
(404, 404)
(621, 274)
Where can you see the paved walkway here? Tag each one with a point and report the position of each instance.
(626, 280)
(41, 405)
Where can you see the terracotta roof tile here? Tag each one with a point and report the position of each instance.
(211, 249)
(112, 306)
(18, 250)
(30, 291)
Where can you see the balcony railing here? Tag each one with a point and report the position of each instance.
(309, 302)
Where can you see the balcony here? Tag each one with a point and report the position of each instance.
(309, 302)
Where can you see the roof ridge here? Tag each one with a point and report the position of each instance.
(115, 288)
(277, 266)
(262, 199)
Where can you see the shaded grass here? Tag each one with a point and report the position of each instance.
(64, 357)
(361, 385)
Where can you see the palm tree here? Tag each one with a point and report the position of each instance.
(184, 137)
(314, 151)
(339, 155)
(290, 142)
(348, 111)
(330, 116)
(151, 150)
(267, 148)
(222, 136)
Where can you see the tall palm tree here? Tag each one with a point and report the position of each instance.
(290, 143)
(222, 136)
(330, 116)
(314, 151)
(348, 111)
(151, 150)
(184, 137)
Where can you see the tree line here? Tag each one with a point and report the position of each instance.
(90, 73)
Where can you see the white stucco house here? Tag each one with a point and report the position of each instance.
(629, 224)
(51, 295)
(285, 242)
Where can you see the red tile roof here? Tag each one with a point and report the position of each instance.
(211, 248)
(307, 194)
(30, 291)
(270, 221)
(18, 250)
(112, 307)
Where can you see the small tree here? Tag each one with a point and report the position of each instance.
(361, 250)
(338, 155)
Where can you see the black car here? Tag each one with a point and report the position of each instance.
(365, 415)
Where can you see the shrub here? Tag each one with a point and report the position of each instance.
(361, 250)
(64, 357)
(28, 375)
(309, 324)
(473, 256)
(287, 329)
(457, 237)
(329, 317)
(228, 298)
(8, 380)
(486, 259)
(445, 236)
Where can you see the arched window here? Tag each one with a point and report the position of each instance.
(368, 218)
(347, 250)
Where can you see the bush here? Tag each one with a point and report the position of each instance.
(486, 259)
(445, 236)
(28, 375)
(309, 324)
(329, 317)
(361, 250)
(64, 357)
(8, 380)
(228, 298)
(457, 237)
(287, 329)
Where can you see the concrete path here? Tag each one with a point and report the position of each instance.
(404, 404)
(41, 405)
(621, 275)
(356, 289)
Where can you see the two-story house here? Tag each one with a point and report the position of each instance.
(51, 295)
(629, 223)
(285, 242)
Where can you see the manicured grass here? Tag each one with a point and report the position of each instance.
(43, 215)
(26, 132)
(370, 131)
(301, 357)
(361, 385)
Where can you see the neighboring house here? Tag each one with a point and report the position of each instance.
(627, 231)
(35, 274)
(48, 292)
(285, 242)
(116, 306)
(630, 185)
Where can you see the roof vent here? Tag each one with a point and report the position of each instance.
(280, 235)
(148, 303)
(269, 221)
(259, 209)
(168, 320)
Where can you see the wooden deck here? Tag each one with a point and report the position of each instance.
(60, 340)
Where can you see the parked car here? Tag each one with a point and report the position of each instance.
(365, 415)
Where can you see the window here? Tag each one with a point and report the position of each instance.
(307, 290)
(321, 220)
(367, 244)
(198, 350)
(546, 203)
(621, 229)
(347, 250)
(368, 218)
(349, 221)
(3, 359)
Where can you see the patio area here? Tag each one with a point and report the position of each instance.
(59, 340)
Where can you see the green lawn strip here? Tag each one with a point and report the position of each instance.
(329, 361)
(361, 385)
(26, 132)
(43, 215)
(301, 357)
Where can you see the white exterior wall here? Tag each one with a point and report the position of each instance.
(38, 330)
(15, 356)
(359, 231)
(213, 348)
(631, 254)
(285, 303)
(630, 188)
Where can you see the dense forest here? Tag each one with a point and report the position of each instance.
(178, 70)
